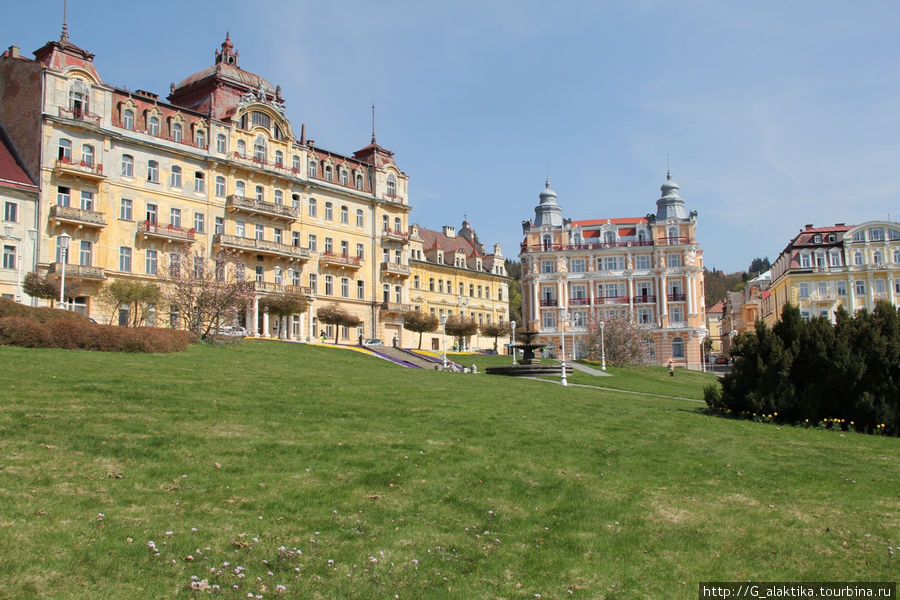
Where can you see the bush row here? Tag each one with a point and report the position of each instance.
(75, 334)
(8, 308)
(815, 372)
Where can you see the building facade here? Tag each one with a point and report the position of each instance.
(452, 275)
(138, 182)
(823, 268)
(647, 269)
(18, 200)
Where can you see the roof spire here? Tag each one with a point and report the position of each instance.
(668, 169)
(547, 184)
(373, 122)
(64, 36)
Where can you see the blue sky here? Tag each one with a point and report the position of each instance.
(772, 114)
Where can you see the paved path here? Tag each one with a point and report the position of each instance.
(590, 371)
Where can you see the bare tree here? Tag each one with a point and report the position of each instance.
(461, 327)
(337, 316)
(203, 291)
(626, 343)
(420, 322)
(138, 297)
(284, 305)
(494, 330)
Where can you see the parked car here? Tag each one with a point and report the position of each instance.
(721, 360)
(373, 342)
(232, 331)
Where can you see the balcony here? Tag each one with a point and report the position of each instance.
(612, 299)
(645, 299)
(261, 247)
(388, 197)
(79, 115)
(169, 232)
(548, 302)
(390, 268)
(395, 307)
(77, 216)
(676, 297)
(85, 170)
(272, 288)
(673, 241)
(579, 301)
(252, 206)
(79, 271)
(395, 235)
(339, 260)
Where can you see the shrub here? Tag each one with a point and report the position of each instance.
(21, 331)
(8, 308)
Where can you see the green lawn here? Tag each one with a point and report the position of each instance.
(338, 475)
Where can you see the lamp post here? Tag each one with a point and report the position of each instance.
(444, 337)
(572, 325)
(64, 258)
(562, 336)
(462, 303)
(32, 235)
(602, 346)
(512, 325)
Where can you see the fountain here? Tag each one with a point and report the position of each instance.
(528, 365)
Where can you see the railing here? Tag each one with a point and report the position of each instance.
(579, 301)
(166, 231)
(298, 289)
(395, 268)
(395, 234)
(261, 246)
(676, 297)
(79, 115)
(81, 271)
(266, 286)
(674, 241)
(77, 215)
(253, 205)
(80, 167)
(594, 246)
(341, 259)
(350, 185)
(612, 299)
(395, 307)
(548, 301)
(392, 198)
(645, 299)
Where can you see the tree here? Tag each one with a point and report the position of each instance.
(420, 322)
(138, 297)
(40, 286)
(337, 316)
(493, 330)
(461, 327)
(626, 343)
(758, 265)
(284, 305)
(514, 269)
(203, 291)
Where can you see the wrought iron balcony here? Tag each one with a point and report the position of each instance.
(261, 246)
(252, 206)
(79, 115)
(612, 299)
(579, 301)
(77, 216)
(548, 301)
(677, 297)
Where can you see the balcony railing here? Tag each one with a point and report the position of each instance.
(168, 232)
(395, 307)
(79, 115)
(261, 246)
(548, 301)
(673, 241)
(579, 301)
(269, 287)
(592, 246)
(344, 260)
(676, 297)
(80, 271)
(645, 299)
(261, 207)
(612, 299)
(400, 236)
(393, 198)
(82, 168)
(392, 268)
(78, 216)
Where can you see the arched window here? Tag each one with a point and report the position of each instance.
(220, 187)
(176, 132)
(128, 119)
(175, 177)
(328, 173)
(78, 98)
(360, 219)
(673, 235)
(260, 193)
(199, 182)
(312, 207)
(279, 197)
(643, 235)
(279, 158)
(397, 225)
(65, 150)
(127, 165)
(329, 212)
(547, 241)
(259, 149)
(359, 181)
(240, 189)
(87, 155)
(153, 126)
(295, 163)
(345, 215)
(200, 138)
(153, 171)
(344, 177)
(311, 168)
(391, 185)
(678, 348)
(609, 237)
(242, 148)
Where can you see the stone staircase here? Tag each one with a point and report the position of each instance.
(406, 358)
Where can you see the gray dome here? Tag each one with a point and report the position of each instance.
(548, 212)
(670, 204)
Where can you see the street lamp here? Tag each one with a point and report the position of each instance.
(462, 303)
(63, 242)
(562, 336)
(602, 347)
(572, 325)
(444, 337)
(32, 235)
(512, 325)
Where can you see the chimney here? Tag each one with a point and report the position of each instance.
(303, 134)
(839, 224)
(449, 231)
(809, 226)
(14, 52)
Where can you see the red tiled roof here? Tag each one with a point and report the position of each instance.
(431, 238)
(620, 221)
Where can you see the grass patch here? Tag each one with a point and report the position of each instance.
(337, 475)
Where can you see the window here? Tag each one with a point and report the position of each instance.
(577, 265)
(61, 255)
(345, 287)
(431, 284)
(200, 138)
(859, 236)
(645, 315)
(279, 197)
(673, 260)
(678, 348)
(416, 282)
(609, 237)
(260, 232)
(242, 148)
(345, 215)
(876, 234)
(63, 196)
(328, 173)
(359, 181)
(259, 149)
(642, 261)
(894, 234)
(278, 276)
(219, 225)
(127, 165)
(817, 239)
(220, 144)
(329, 215)
(329, 285)
(295, 200)
(896, 256)
(344, 177)
(314, 283)
(385, 293)
(65, 150)
(279, 158)
(87, 155)
(360, 290)
(125, 206)
(471, 289)
(329, 245)
(259, 273)
(391, 185)
(239, 229)
(360, 251)
(312, 207)
(153, 126)
(311, 168)
(548, 266)
(199, 182)
(260, 193)
(397, 225)
(9, 257)
(87, 201)
(548, 320)
(295, 163)
(295, 239)
(360, 221)
(175, 217)
(880, 286)
(803, 289)
(128, 119)
(841, 288)
(860, 287)
(834, 258)
(240, 189)
(85, 253)
(398, 294)
(11, 212)
(151, 214)
(311, 243)
(294, 276)
(176, 132)
(857, 258)
(175, 177)
(276, 235)
(152, 171)
(220, 187)
(125, 259)
(199, 222)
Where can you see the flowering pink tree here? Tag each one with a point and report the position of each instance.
(205, 291)
(626, 343)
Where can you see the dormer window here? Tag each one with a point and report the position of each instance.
(200, 138)
(817, 239)
(176, 132)
(153, 126)
(832, 238)
(344, 177)
(78, 98)
(311, 167)
(359, 181)
(128, 119)
(328, 173)
(391, 185)
(261, 119)
(804, 261)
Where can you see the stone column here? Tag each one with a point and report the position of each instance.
(254, 318)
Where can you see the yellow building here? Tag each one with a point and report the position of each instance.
(452, 275)
(823, 268)
(647, 269)
(137, 181)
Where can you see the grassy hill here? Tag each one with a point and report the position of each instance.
(337, 475)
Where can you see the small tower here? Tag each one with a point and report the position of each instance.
(670, 204)
(548, 212)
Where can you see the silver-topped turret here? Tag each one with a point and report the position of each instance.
(670, 204)
(548, 212)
